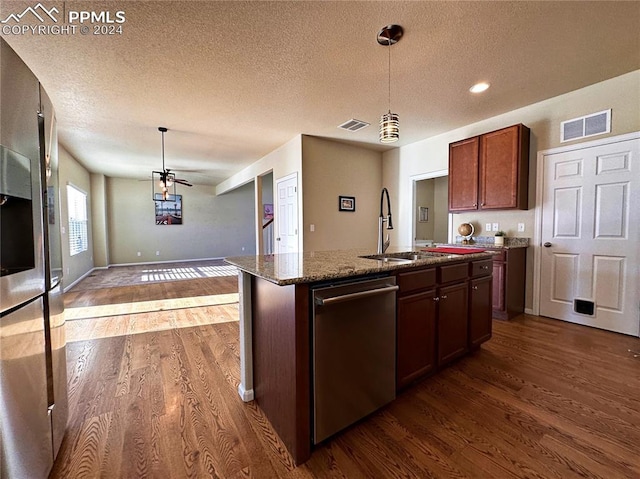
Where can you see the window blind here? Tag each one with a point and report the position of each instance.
(78, 236)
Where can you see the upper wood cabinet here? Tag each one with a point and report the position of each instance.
(490, 171)
(463, 174)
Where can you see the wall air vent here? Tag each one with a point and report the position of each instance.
(353, 125)
(585, 126)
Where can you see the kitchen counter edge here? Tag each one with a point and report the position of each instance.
(297, 268)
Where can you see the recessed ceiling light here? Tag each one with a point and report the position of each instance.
(479, 87)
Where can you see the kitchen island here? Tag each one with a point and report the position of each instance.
(276, 311)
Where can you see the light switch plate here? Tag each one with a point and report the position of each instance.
(312, 228)
(495, 227)
(487, 227)
(520, 227)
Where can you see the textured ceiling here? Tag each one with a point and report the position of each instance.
(234, 80)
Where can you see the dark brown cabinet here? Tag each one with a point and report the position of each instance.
(442, 312)
(509, 271)
(463, 174)
(490, 171)
(416, 334)
(480, 311)
(416, 325)
(453, 312)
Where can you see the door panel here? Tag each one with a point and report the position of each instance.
(590, 224)
(287, 218)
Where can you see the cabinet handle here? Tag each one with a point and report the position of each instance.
(482, 204)
(475, 205)
(436, 299)
(444, 296)
(547, 245)
(484, 267)
(474, 287)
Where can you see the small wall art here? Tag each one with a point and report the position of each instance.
(346, 203)
(423, 214)
(268, 211)
(168, 212)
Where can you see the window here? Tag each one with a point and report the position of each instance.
(78, 238)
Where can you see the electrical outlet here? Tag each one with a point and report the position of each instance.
(495, 227)
(157, 253)
(312, 228)
(139, 253)
(487, 227)
(243, 248)
(520, 227)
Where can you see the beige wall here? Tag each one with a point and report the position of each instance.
(433, 193)
(99, 220)
(424, 198)
(281, 162)
(620, 94)
(331, 169)
(72, 172)
(440, 209)
(213, 226)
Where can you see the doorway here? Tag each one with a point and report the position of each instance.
(431, 218)
(287, 240)
(589, 234)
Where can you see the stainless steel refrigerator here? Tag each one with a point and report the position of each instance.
(33, 396)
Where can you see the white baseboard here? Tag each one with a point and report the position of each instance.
(67, 287)
(245, 395)
(529, 311)
(166, 261)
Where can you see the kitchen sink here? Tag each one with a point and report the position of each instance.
(404, 257)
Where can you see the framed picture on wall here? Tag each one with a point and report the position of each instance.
(423, 214)
(346, 203)
(268, 212)
(168, 212)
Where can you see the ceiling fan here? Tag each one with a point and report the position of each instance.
(165, 179)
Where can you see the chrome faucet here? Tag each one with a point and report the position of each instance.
(382, 243)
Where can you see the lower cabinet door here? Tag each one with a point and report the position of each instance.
(498, 287)
(453, 308)
(480, 311)
(416, 336)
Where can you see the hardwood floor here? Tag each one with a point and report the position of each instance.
(541, 399)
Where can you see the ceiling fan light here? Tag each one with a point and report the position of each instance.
(389, 128)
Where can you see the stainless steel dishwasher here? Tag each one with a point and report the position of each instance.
(354, 352)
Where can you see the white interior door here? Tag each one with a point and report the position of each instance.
(287, 217)
(591, 236)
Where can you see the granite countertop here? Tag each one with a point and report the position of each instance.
(488, 242)
(292, 268)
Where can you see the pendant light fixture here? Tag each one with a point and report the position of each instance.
(389, 122)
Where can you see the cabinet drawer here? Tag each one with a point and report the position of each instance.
(481, 268)
(453, 272)
(415, 280)
(499, 255)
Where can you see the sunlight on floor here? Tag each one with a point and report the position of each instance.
(96, 322)
(170, 274)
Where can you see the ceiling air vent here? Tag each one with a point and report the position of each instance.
(353, 125)
(589, 125)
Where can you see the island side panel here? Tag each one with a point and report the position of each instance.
(281, 362)
(245, 388)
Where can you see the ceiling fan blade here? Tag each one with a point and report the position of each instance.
(182, 182)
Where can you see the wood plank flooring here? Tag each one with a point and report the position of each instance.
(541, 399)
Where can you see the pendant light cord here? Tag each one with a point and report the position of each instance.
(389, 82)
(163, 169)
